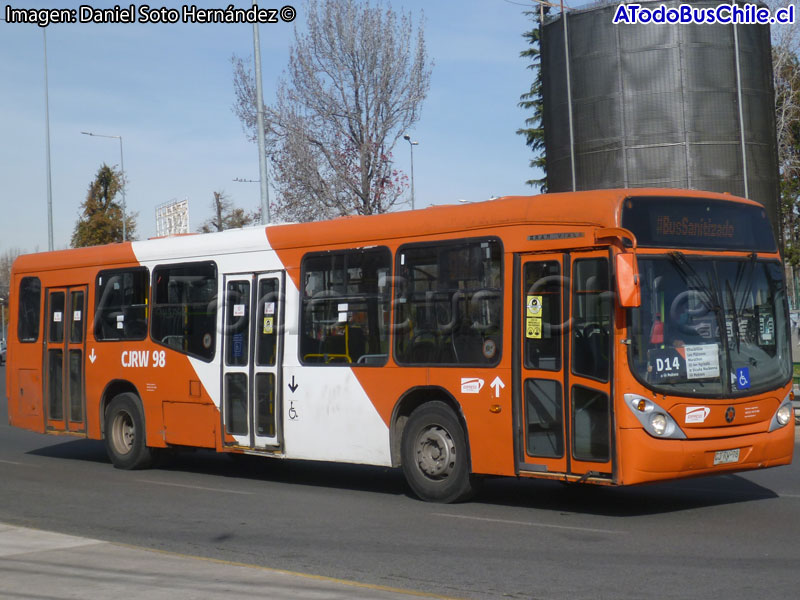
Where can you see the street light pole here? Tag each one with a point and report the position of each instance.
(411, 144)
(262, 149)
(47, 147)
(122, 169)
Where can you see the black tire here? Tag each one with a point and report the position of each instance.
(435, 455)
(125, 434)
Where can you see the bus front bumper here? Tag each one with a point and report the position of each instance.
(644, 458)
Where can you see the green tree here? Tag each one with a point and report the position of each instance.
(100, 221)
(227, 216)
(355, 84)
(532, 99)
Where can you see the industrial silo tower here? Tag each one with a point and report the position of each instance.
(659, 105)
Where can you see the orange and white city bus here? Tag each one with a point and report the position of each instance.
(609, 337)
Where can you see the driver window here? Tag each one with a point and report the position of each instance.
(591, 319)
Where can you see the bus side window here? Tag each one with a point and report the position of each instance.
(30, 303)
(185, 308)
(121, 297)
(448, 305)
(345, 312)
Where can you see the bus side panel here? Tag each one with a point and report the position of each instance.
(25, 407)
(23, 371)
(491, 445)
(329, 417)
(190, 424)
(486, 411)
(24, 384)
(327, 411)
(161, 377)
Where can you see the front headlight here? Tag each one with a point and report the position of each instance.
(655, 420)
(783, 415)
(659, 423)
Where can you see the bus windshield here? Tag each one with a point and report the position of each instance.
(676, 340)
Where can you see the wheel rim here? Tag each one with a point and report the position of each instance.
(436, 452)
(123, 433)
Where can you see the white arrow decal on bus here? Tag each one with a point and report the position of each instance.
(92, 356)
(498, 385)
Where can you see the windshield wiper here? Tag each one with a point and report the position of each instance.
(735, 308)
(693, 280)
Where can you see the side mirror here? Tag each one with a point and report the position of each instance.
(628, 287)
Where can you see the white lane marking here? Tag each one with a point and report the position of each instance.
(11, 462)
(195, 487)
(528, 523)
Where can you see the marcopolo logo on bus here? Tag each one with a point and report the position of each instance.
(471, 385)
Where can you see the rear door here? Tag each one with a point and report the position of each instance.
(252, 351)
(64, 359)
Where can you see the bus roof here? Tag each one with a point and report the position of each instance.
(595, 208)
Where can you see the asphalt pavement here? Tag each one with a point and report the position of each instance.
(42, 564)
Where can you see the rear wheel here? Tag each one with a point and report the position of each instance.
(125, 436)
(435, 455)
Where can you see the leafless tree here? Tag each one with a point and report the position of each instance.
(786, 72)
(355, 83)
(786, 78)
(227, 216)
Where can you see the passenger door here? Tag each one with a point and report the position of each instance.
(563, 349)
(64, 359)
(591, 335)
(252, 358)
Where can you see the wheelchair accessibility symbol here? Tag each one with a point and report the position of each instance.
(743, 378)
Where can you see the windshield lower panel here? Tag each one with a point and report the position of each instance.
(710, 327)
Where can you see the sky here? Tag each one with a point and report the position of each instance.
(167, 90)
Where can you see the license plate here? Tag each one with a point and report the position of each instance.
(722, 457)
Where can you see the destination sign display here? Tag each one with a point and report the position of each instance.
(698, 223)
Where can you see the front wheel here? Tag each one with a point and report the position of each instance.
(435, 455)
(125, 436)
